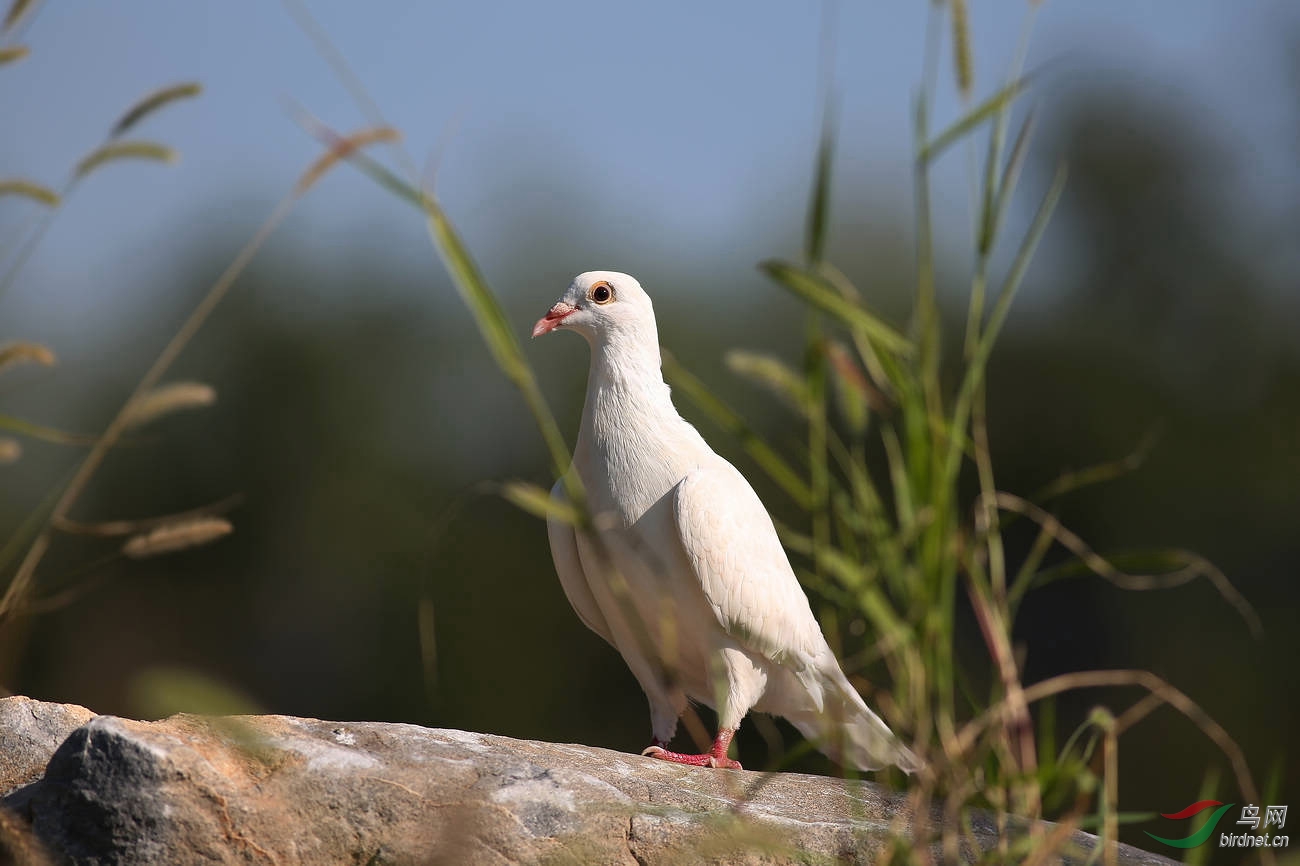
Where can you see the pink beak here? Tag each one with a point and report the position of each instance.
(552, 319)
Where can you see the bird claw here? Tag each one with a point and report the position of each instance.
(661, 754)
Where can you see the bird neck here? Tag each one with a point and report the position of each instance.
(632, 446)
(631, 366)
(626, 388)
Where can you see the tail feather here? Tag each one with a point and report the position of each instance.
(850, 733)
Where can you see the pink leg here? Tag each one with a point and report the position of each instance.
(717, 756)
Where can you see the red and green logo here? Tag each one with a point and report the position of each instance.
(1201, 835)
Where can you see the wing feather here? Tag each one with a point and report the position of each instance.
(573, 578)
(730, 541)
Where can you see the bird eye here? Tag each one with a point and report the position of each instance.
(601, 293)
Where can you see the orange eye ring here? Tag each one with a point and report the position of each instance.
(601, 292)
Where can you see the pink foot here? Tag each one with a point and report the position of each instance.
(717, 756)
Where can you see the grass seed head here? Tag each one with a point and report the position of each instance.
(962, 64)
(13, 354)
(166, 399)
(10, 450)
(172, 537)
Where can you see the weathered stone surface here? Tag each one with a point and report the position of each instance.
(273, 789)
(30, 731)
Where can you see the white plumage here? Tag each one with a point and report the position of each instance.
(688, 580)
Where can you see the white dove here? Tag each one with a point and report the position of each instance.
(688, 580)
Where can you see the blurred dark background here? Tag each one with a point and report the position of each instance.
(359, 411)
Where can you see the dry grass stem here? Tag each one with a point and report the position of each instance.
(20, 586)
(118, 528)
(1143, 679)
(1196, 566)
(342, 147)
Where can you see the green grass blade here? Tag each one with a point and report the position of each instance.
(1018, 268)
(478, 296)
(22, 537)
(1154, 563)
(731, 421)
(1099, 473)
(380, 174)
(772, 374)
(1200, 855)
(898, 477)
(867, 510)
(996, 198)
(538, 502)
(497, 333)
(847, 572)
(487, 311)
(963, 126)
(818, 462)
(925, 399)
(1025, 576)
(820, 294)
(884, 619)
(854, 393)
(1089, 822)
(976, 367)
(819, 206)
(1007, 185)
(993, 203)
(45, 434)
(885, 371)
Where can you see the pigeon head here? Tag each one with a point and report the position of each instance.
(600, 305)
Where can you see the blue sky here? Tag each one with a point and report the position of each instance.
(685, 121)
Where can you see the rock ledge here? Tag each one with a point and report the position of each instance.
(281, 790)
